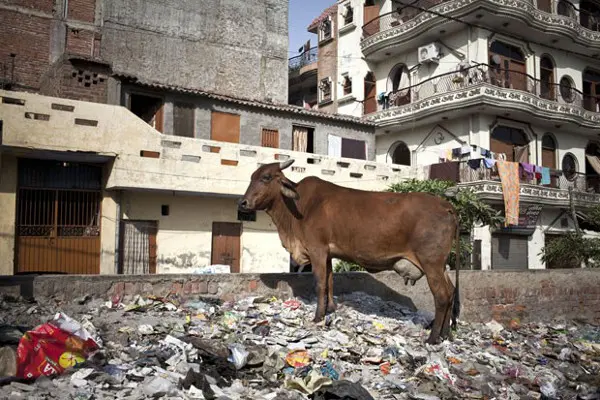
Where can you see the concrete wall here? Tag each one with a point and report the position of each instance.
(8, 196)
(253, 120)
(184, 239)
(529, 295)
(238, 48)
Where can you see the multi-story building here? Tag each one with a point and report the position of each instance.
(128, 130)
(458, 84)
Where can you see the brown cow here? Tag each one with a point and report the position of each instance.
(410, 233)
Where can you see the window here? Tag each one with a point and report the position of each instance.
(507, 66)
(569, 166)
(348, 14)
(325, 90)
(325, 31)
(183, 120)
(148, 108)
(246, 216)
(547, 78)
(510, 141)
(347, 85)
(352, 148)
(591, 90)
(566, 89)
(270, 138)
(565, 8)
(548, 151)
(400, 153)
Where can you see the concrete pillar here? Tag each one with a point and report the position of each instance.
(535, 245)
(8, 205)
(485, 235)
(108, 230)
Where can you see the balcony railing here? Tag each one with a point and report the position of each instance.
(578, 181)
(483, 73)
(564, 8)
(397, 17)
(306, 58)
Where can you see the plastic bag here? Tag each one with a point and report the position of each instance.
(239, 355)
(53, 347)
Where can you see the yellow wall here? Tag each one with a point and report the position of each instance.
(8, 197)
(185, 235)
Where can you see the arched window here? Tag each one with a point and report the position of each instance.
(588, 15)
(370, 101)
(508, 66)
(398, 84)
(565, 8)
(591, 90)
(592, 166)
(547, 78)
(548, 151)
(400, 153)
(510, 141)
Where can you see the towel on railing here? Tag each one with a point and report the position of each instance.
(489, 162)
(545, 176)
(509, 177)
(529, 170)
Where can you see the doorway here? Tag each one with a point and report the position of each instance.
(370, 92)
(138, 252)
(226, 244)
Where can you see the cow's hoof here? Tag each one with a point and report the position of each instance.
(432, 340)
(331, 308)
(406, 281)
(413, 282)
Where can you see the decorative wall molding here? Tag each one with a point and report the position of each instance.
(524, 10)
(485, 93)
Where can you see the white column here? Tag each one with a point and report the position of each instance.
(484, 234)
(535, 245)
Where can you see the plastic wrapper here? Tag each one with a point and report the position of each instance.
(54, 347)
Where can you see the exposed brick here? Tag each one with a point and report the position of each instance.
(188, 288)
(176, 288)
(202, 287)
(80, 41)
(82, 10)
(38, 5)
(252, 285)
(213, 287)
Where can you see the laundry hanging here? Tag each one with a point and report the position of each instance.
(509, 177)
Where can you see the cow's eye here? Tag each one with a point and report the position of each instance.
(267, 178)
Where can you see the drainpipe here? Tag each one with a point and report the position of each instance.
(118, 230)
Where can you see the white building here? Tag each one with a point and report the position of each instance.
(518, 79)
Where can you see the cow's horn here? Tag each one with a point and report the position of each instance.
(283, 165)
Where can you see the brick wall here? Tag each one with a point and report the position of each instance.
(77, 80)
(534, 295)
(28, 37)
(38, 5)
(82, 10)
(327, 65)
(80, 41)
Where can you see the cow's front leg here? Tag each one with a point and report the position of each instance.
(319, 269)
(330, 304)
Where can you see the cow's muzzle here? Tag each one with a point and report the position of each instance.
(243, 205)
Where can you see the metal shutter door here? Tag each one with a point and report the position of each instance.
(509, 251)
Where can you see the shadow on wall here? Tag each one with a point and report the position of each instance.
(302, 286)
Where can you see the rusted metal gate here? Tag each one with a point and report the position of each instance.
(58, 217)
(138, 247)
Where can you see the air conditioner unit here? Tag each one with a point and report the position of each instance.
(429, 53)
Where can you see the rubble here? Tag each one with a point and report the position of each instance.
(266, 348)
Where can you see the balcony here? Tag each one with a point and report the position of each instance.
(410, 27)
(486, 183)
(304, 62)
(482, 85)
(140, 158)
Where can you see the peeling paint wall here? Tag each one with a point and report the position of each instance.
(184, 238)
(8, 198)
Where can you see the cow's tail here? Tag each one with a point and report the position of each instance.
(456, 296)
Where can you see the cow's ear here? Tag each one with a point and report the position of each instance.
(288, 189)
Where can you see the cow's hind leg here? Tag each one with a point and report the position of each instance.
(443, 302)
(331, 308)
(318, 260)
(446, 332)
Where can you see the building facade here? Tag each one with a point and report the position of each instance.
(129, 130)
(459, 84)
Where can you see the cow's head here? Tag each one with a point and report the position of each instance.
(266, 183)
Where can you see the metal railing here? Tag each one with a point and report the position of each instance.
(400, 16)
(483, 73)
(306, 58)
(558, 180)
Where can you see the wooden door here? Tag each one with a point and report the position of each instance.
(226, 244)
(270, 138)
(224, 127)
(370, 90)
(371, 18)
(137, 247)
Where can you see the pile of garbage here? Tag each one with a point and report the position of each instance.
(267, 348)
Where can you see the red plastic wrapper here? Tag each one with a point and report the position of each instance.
(54, 347)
